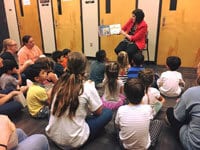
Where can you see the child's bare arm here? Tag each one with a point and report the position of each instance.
(161, 99)
(181, 83)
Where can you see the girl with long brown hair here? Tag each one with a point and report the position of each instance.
(72, 100)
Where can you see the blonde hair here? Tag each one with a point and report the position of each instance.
(6, 43)
(122, 59)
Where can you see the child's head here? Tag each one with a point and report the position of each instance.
(65, 52)
(36, 73)
(70, 85)
(9, 44)
(147, 77)
(9, 66)
(122, 59)
(134, 90)
(77, 63)
(57, 56)
(138, 59)
(47, 62)
(112, 71)
(173, 62)
(101, 55)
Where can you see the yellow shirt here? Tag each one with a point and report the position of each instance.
(36, 96)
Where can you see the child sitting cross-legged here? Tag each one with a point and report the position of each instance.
(122, 60)
(136, 129)
(37, 97)
(171, 83)
(113, 93)
(152, 95)
(136, 66)
(73, 99)
(8, 79)
(58, 58)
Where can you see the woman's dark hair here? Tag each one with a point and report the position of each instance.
(25, 39)
(134, 90)
(112, 71)
(69, 86)
(139, 14)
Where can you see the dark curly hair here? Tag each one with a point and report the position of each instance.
(139, 14)
(173, 62)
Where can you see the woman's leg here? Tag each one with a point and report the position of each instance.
(132, 49)
(33, 142)
(97, 123)
(122, 46)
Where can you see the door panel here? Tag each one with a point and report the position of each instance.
(3, 25)
(68, 25)
(29, 24)
(179, 33)
(117, 16)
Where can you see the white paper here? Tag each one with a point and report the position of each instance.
(115, 29)
(26, 2)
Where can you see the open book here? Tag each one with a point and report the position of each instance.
(105, 30)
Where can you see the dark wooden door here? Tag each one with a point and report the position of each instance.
(3, 25)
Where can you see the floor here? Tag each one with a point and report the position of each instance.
(107, 140)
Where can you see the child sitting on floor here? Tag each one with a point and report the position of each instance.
(49, 64)
(152, 95)
(58, 58)
(37, 97)
(136, 131)
(7, 79)
(65, 53)
(137, 65)
(122, 59)
(113, 93)
(171, 83)
(97, 68)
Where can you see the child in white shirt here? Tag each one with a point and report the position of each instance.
(152, 95)
(133, 119)
(171, 83)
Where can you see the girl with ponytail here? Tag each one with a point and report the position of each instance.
(72, 99)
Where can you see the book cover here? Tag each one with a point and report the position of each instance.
(105, 30)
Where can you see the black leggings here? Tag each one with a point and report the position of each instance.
(130, 48)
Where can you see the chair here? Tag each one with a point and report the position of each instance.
(146, 47)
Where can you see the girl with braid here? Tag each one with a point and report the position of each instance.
(72, 100)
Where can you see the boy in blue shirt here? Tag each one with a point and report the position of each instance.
(136, 66)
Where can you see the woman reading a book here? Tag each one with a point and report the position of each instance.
(135, 31)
